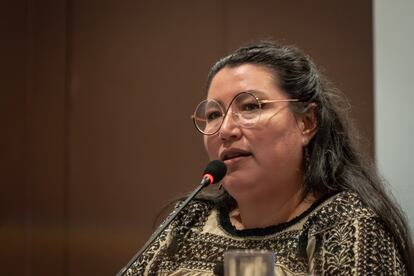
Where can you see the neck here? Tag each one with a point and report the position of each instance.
(260, 213)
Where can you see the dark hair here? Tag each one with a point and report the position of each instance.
(334, 164)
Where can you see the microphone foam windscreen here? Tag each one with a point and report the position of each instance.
(217, 169)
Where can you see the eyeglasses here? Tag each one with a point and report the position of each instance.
(246, 110)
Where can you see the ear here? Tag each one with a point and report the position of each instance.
(308, 124)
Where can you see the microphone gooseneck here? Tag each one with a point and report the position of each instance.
(213, 173)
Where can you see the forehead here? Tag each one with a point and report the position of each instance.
(230, 81)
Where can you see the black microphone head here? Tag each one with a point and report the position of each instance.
(217, 169)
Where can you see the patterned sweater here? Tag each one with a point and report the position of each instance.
(335, 236)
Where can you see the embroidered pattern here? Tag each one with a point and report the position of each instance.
(347, 239)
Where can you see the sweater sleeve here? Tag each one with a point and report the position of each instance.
(189, 218)
(142, 265)
(360, 246)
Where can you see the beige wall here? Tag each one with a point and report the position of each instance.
(96, 98)
(394, 124)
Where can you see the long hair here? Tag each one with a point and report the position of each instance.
(334, 163)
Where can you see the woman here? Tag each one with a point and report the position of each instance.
(295, 184)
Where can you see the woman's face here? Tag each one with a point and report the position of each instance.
(264, 159)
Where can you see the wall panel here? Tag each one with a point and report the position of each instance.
(138, 71)
(46, 136)
(13, 224)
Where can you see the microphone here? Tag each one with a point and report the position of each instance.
(213, 173)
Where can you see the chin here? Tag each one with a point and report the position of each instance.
(236, 186)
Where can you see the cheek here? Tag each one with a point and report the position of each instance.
(211, 147)
(279, 145)
(290, 149)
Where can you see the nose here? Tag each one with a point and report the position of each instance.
(229, 129)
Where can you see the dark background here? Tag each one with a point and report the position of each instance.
(95, 105)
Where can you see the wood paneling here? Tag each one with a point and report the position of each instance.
(13, 83)
(33, 144)
(138, 70)
(46, 135)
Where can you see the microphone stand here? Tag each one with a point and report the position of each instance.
(204, 183)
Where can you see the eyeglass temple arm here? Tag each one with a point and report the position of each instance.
(275, 101)
(193, 117)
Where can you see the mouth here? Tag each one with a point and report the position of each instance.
(234, 155)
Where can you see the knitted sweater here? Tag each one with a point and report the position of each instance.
(335, 236)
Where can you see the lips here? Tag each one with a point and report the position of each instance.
(233, 153)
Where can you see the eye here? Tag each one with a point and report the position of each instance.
(251, 106)
(213, 115)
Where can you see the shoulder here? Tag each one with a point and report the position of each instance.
(193, 215)
(190, 216)
(347, 236)
(338, 209)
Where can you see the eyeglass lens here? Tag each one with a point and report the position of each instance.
(244, 110)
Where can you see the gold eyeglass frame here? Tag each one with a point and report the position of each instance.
(231, 102)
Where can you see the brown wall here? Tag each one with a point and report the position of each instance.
(95, 105)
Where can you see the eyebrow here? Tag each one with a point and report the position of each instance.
(256, 92)
(252, 91)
